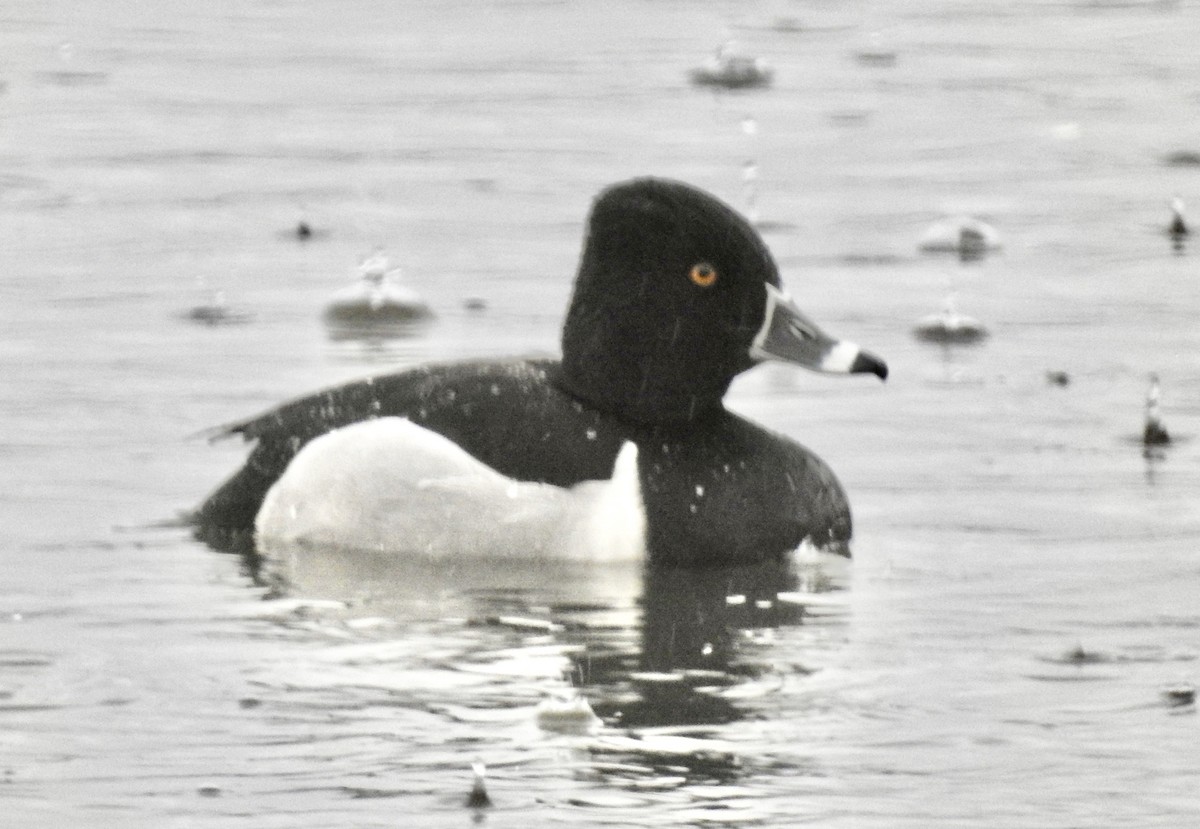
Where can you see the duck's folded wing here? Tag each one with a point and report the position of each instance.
(426, 395)
(314, 414)
(399, 394)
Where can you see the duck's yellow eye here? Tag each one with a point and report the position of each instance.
(703, 274)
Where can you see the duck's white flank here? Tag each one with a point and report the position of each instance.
(391, 486)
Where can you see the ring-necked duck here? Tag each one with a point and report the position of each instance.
(676, 294)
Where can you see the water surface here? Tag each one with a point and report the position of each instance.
(1024, 579)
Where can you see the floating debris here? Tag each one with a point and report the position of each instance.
(729, 70)
(1081, 656)
(302, 231)
(1182, 158)
(567, 715)
(1058, 378)
(1177, 229)
(375, 303)
(478, 797)
(949, 327)
(1178, 696)
(875, 54)
(1154, 433)
(67, 74)
(966, 236)
(525, 623)
(69, 77)
(217, 311)
(786, 24)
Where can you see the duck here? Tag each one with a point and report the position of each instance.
(375, 300)
(675, 295)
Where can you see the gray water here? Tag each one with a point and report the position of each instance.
(1024, 582)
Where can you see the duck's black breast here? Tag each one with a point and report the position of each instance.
(717, 490)
(728, 491)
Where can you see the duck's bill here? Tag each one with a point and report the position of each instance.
(788, 335)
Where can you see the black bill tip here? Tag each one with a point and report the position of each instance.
(868, 363)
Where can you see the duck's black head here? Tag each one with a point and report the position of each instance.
(676, 295)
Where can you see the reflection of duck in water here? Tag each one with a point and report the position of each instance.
(966, 236)
(375, 300)
(1154, 433)
(693, 667)
(949, 326)
(730, 70)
